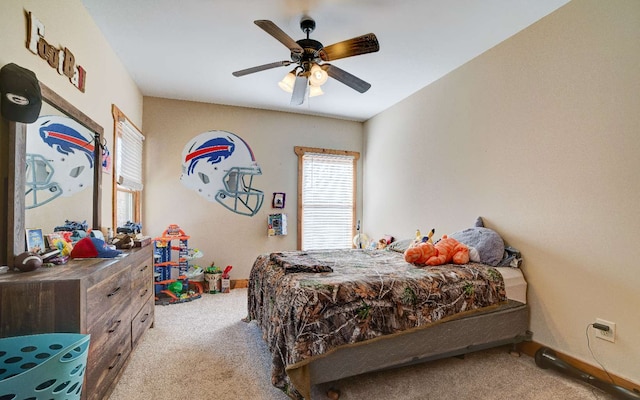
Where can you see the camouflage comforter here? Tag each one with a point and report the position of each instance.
(308, 303)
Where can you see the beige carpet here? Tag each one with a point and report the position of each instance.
(202, 350)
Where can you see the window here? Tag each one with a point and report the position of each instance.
(127, 174)
(326, 198)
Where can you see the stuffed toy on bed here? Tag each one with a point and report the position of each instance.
(420, 253)
(449, 250)
(420, 238)
(485, 245)
(446, 251)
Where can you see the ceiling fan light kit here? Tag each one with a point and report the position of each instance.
(312, 69)
(287, 82)
(318, 76)
(315, 91)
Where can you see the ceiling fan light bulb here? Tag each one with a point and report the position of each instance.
(315, 91)
(318, 76)
(287, 82)
(285, 87)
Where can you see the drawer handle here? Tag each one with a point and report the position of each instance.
(144, 317)
(143, 268)
(144, 293)
(114, 292)
(112, 366)
(115, 326)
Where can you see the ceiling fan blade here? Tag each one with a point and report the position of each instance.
(352, 47)
(299, 90)
(273, 30)
(263, 67)
(343, 76)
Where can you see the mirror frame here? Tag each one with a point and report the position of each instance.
(16, 239)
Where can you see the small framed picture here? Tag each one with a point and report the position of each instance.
(278, 200)
(35, 240)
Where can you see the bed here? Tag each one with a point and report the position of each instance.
(327, 315)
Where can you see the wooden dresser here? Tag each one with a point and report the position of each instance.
(110, 299)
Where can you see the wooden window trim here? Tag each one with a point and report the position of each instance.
(301, 151)
(137, 209)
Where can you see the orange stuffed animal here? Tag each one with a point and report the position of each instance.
(420, 253)
(449, 250)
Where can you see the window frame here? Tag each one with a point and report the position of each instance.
(300, 152)
(137, 198)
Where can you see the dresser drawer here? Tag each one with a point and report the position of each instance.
(110, 325)
(106, 296)
(143, 271)
(142, 321)
(141, 284)
(105, 362)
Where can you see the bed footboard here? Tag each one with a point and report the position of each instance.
(506, 325)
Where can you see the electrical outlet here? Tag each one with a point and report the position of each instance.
(609, 335)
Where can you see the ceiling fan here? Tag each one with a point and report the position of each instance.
(310, 56)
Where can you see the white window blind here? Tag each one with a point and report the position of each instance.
(129, 155)
(327, 201)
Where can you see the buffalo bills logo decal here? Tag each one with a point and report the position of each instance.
(66, 140)
(212, 151)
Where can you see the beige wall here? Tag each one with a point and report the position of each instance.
(223, 236)
(540, 136)
(67, 24)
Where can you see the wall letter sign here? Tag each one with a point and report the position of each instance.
(60, 59)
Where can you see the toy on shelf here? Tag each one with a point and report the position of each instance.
(172, 277)
(73, 230)
(70, 226)
(130, 227)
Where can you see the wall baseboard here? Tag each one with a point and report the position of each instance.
(530, 349)
(239, 283)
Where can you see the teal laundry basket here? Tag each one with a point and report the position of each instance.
(43, 367)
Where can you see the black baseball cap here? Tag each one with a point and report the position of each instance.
(21, 98)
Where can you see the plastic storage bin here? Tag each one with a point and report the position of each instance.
(45, 366)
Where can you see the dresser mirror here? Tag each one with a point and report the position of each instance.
(61, 162)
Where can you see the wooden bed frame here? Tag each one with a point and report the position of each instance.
(304, 291)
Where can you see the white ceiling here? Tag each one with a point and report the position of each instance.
(187, 49)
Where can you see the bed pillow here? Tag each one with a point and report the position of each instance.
(487, 242)
(400, 246)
